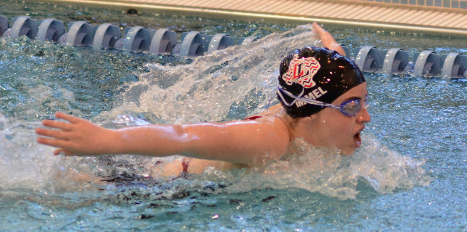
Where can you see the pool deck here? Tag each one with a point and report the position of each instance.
(357, 13)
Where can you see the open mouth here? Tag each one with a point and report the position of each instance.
(357, 139)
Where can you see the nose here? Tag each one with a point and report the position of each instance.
(364, 116)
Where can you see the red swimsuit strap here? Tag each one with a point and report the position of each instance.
(185, 163)
(254, 117)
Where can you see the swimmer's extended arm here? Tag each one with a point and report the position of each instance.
(248, 142)
(327, 40)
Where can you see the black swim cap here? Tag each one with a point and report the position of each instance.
(316, 73)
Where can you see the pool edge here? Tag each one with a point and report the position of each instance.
(194, 10)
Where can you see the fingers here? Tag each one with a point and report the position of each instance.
(65, 126)
(59, 151)
(328, 40)
(54, 142)
(61, 134)
(67, 117)
(318, 28)
(64, 147)
(58, 134)
(65, 152)
(322, 33)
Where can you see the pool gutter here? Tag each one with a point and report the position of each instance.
(413, 25)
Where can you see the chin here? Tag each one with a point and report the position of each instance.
(348, 151)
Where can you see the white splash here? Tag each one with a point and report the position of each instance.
(327, 172)
(214, 87)
(206, 89)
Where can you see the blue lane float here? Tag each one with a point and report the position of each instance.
(369, 59)
(163, 42)
(80, 34)
(454, 66)
(50, 30)
(23, 26)
(193, 44)
(248, 40)
(137, 39)
(105, 36)
(4, 25)
(394, 61)
(219, 42)
(427, 64)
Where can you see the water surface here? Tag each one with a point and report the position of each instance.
(409, 174)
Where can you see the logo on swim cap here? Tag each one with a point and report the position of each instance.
(301, 71)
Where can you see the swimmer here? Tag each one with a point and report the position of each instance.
(322, 98)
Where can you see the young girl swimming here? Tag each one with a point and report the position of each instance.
(322, 95)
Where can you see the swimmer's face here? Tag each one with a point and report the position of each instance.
(333, 129)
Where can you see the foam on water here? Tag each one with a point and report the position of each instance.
(328, 172)
(24, 163)
(226, 85)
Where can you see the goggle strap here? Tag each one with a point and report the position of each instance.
(280, 90)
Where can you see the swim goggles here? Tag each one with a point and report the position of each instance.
(349, 108)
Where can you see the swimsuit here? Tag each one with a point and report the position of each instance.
(185, 163)
(253, 117)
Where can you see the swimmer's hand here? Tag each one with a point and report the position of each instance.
(327, 39)
(77, 137)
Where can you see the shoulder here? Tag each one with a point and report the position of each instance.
(274, 120)
(274, 116)
(275, 111)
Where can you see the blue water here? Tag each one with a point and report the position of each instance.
(408, 175)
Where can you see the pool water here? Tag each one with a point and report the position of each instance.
(409, 174)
